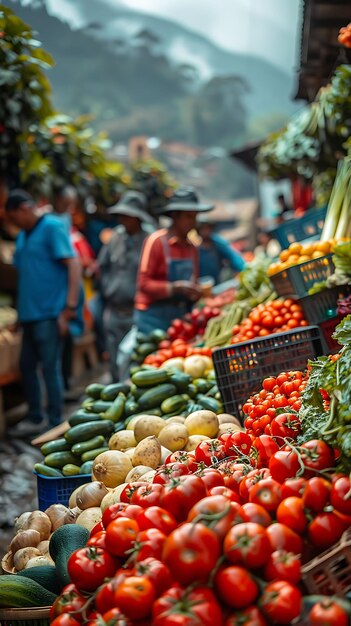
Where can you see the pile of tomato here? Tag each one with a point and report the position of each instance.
(266, 319)
(173, 349)
(219, 538)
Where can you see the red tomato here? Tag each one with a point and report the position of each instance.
(290, 512)
(293, 487)
(340, 496)
(181, 494)
(316, 494)
(251, 616)
(266, 448)
(284, 464)
(156, 571)
(97, 528)
(227, 493)
(113, 617)
(99, 539)
(236, 587)
(233, 473)
(187, 607)
(281, 602)
(105, 595)
(120, 509)
(65, 620)
(209, 451)
(316, 455)
(285, 426)
(70, 600)
(283, 538)
(155, 517)
(188, 458)
(191, 553)
(135, 596)
(247, 544)
(237, 444)
(165, 473)
(267, 493)
(129, 489)
(325, 530)
(215, 511)
(120, 535)
(211, 477)
(250, 512)
(328, 612)
(150, 543)
(88, 567)
(250, 480)
(147, 495)
(283, 565)
(269, 383)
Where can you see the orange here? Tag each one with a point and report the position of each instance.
(308, 249)
(295, 248)
(303, 258)
(293, 259)
(284, 255)
(317, 254)
(273, 269)
(322, 246)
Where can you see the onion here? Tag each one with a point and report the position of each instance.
(21, 522)
(90, 517)
(43, 547)
(111, 467)
(113, 497)
(71, 515)
(25, 539)
(73, 497)
(91, 495)
(22, 556)
(41, 522)
(57, 514)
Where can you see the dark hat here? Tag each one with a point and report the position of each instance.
(185, 199)
(133, 204)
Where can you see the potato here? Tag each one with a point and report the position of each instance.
(228, 428)
(137, 472)
(146, 426)
(113, 497)
(174, 437)
(193, 441)
(147, 452)
(132, 422)
(225, 418)
(178, 419)
(202, 423)
(130, 452)
(122, 440)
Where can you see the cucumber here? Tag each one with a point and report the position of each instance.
(211, 404)
(63, 542)
(70, 470)
(45, 575)
(202, 385)
(116, 410)
(94, 390)
(86, 468)
(175, 403)
(110, 392)
(87, 403)
(100, 406)
(131, 406)
(150, 378)
(19, 591)
(181, 380)
(84, 446)
(157, 335)
(45, 470)
(83, 432)
(136, 392)
(119, 426)
(192, 391)
(144, 349)
(156, 395)
(59, 459)
(92, 454)
(54, 446)
(82, 417)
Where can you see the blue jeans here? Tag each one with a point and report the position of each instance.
(42, 346)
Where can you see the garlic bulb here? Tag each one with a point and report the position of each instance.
(43, 547)
(56, 513)
(21, 522)
(41, 522)
(39, 560)
(22, 556)
(91, 495)
(25, 539)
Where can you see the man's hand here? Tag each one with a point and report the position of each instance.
(63, 319)
(186, 288)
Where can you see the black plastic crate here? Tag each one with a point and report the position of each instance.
(331, 346)
(305, 227)
(323, 306)
(298, 279)
(240, 368)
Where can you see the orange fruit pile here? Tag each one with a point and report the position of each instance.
(300, 253)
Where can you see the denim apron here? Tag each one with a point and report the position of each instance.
(162, 313)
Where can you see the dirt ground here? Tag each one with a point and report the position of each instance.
(18, 484)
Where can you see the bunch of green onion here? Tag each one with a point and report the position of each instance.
(337, 223)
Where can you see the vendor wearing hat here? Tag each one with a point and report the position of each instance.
(118, 263)
(215, 252)
(169, 266)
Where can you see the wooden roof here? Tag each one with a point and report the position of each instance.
(320, 50)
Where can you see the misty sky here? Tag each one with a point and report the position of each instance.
(239, 25)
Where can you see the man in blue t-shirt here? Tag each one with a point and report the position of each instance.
(215, 253)
(48, 292)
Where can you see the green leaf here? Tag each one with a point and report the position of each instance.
(342, 332)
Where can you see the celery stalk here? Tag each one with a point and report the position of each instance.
(336, 202)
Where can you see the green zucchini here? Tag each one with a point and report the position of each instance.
(144, 349)
(174, 403)
(71, 470)
(59, 445)
(83, 432)
(181, 380)
(86, 468)
(94, 390)
(21, 592)
(156, 335)
(110, 392)
(150, 378)
(45, 470)
(63, 542)
(192, 391)
(156, 395)
(116, 410)
(45, 575)
(211, 404)
(202, 385)
(100, 406)
(59, 459)
(119, 426)
(87, 403)
(136, 392)
(131, 406)
(82, 417)
(83, 446)
(92, 454)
